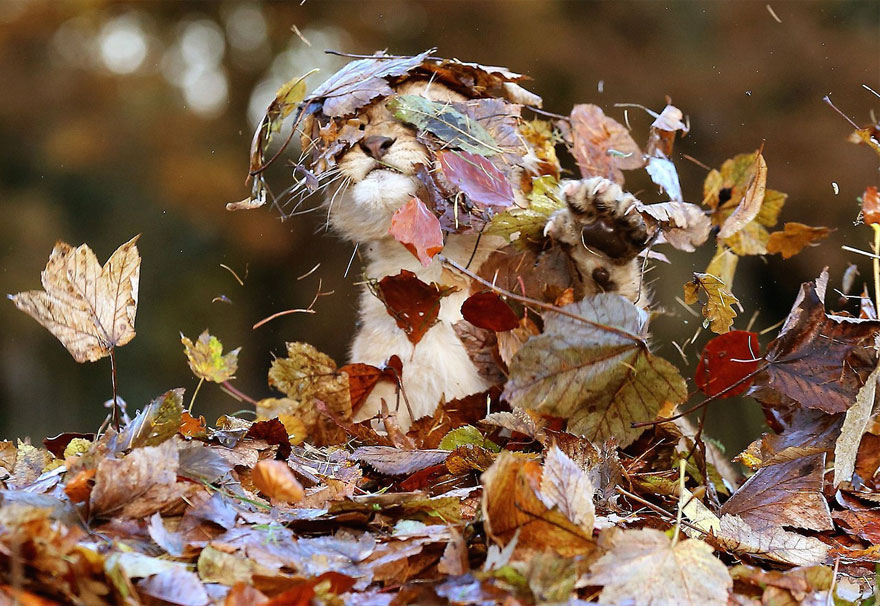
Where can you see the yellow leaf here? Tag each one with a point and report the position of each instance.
(719, 306)
(206, 359)
(89, 308)
(794, 238)
(751, 201)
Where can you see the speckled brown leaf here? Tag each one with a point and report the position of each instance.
(643, 566)
(787, 494)
(601, 145)
(89, 308)
(597, 375)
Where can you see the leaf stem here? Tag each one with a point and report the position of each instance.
(195, 393)
(681, 466)
(241, 396)
(114, 414)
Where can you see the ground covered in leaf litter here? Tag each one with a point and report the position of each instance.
(543, 490)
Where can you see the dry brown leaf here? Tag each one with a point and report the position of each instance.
(683, 225)
(567, 487)
(795, 237)
(601, 145)
(396, 462)
(774, 543)
(644, 566)
(275, 480)
(89, 308)
(753, 197)
(718, 308)
(854, 425)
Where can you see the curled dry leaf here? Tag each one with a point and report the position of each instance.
(725, 363)
(854, 425)
(645, 567)
(598, 374)
(685, 226)
(275, 480)
(89, 308)
(795, 237)
(718, 308)
(206, 359)
(413, 304)
(751, 201)
(414, 226)
(601, 145)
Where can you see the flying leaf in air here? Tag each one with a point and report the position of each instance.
(414, 226)
(795, 237)
(870, 136)
(817, 358)
(871, 205)
(786, 494)
(206, 359)
(683, 225)
(751, 201)
(854, 425)
(413, 304)
(477, 177)
(601, 145)
(275, 480)
(718, 308)
(598, 374)
(725, 363)
(445, 122)
(525, 226)
(644, 567)
(488, 310)
(89, 308)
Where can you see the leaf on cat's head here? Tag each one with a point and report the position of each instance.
(524, 227)
(601, 145)
(414, 226)
(413, 304)
(795, 237)
(445, 122)
(718, 308)
(595, 371)
(88, 307)
(476, 177)
(206, 360)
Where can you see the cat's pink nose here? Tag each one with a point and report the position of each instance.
(376, 146)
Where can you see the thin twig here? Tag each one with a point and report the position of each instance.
(115, 412)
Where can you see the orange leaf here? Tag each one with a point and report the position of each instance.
(190, 427)
(414, 226)
(796, 236)
(601, 145)
(79, 488)
(275, 480)
(871, 205)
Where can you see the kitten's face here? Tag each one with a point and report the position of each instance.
(379, 171)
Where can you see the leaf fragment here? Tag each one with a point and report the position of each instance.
(871, 205)
(88, 307)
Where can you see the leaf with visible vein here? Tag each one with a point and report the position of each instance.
(719, 304)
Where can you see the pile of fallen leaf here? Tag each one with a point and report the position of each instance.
(574, 481)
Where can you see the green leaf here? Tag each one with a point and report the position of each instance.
(466, 435)
(444, 121)
(597, 374)
(524, 226)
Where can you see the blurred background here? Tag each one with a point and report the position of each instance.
(119, 118)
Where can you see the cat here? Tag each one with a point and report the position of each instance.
(598, 229)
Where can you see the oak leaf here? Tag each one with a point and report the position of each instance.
(795, 237)
(206, 359)
(595, 371)
(646, 567)
(414, 226)
(718, 308)
(275, 480)
(88, 307)
(601, 145)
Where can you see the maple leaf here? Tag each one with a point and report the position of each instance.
(206, 359)
(602, 146)
(854, 425)
(646, 567)
(487, 310)
(89, 308)
(477, 177)
(718, 308)
(275, 480)
(444, 121)
(414, 226)
(413, 304)
(816, 359)
(725, 362)
(597, 374)
(794, 237)
(787, 494)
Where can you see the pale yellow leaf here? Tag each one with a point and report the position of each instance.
(718, 308)
(89, 308)
(567, 487)
(854, 425)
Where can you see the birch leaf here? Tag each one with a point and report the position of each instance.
(854, 425)
(89, 308)
(597, 374)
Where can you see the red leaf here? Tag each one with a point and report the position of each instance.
(362, 378)
(477, 177)
(726, 360)
(487, 310)
(871, 205)
(414, 226)
(274, 432)
(413, 304)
